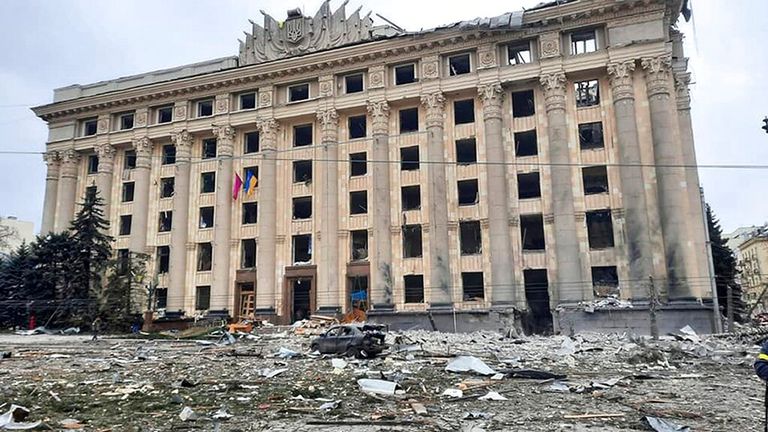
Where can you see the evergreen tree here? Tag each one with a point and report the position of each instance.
(92, 248)
(16, 285)
(725, 268)
(115, 299)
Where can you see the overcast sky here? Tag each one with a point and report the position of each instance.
(50, 44)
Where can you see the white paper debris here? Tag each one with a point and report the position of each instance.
(469, 363)
(492, 395)
(377, 386)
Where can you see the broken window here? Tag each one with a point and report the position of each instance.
(247, 100)
(165, 114)
(528, 185)
(204, 256)
(411, 241)
(302, 249)
(165, 221)
(459, 64)
(250, 142)
(587, 93)
(600, 229)
(595, 180)
(163, 259)
(605, 281)
(88, 127)
(169, 154)
(125, 224)
(205, 108)
(93, 164)
(414, 288)
(411, 197)
(302, 135)
(405, 74)
(357, 164)
(470, 238)
(464, 111)
(591, 135)
(302, 171)
(525, 143)
(466, 151)
(409, 120)
(167, 185)
(125, 121)
(358, 202)
(209, 148)
(583, 41)
(248, 253)
(357, 127)
(467, 192)
(161, 298)
(203, 297)
(473, 287)
(302, 207)
(523, 104)
(519, 53)
(130, 160)
(298, 92)
(538, 318)
(128, 189)
(208, 182)
(359, 245)
(353, 83)
(532, 232)
(409, 158)
(206, 217)
(250, 213)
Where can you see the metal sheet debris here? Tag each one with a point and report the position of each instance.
(492, 395)
(377, 386)
(467, 364)
(661, 425)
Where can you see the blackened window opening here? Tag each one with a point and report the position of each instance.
(532, 232)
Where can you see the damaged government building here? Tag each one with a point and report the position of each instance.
(526, 169)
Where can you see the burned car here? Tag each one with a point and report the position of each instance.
(359, 340)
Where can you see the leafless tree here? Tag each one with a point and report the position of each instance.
(6, 235)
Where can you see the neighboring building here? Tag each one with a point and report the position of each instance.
(738, 236)
(483, 167)
(20, 232)
(753, 263)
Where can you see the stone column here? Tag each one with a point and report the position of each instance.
(638, 237)
(267, 290)
(502, 265)
(439, 286)
(673, 202)
(570, 281)
(381, 207)
(221, 291)
(70, 162)
(327, 274)
(177, 269)
(138, 240)
(106, 167)
(53, 163)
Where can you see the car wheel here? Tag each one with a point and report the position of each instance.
(313, 347)
(351, 352)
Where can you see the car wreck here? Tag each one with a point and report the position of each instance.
(358, 340)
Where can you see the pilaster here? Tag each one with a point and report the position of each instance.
(106, 154)
(138, 241)
(267, 290)
(53, 168)
(328, 292)
(70, 162)
(177, 288)
(221, 289)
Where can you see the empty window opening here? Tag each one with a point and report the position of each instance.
(357, 127)
(468, 192)
(248, 101)
(357, 164)
(591, 136)
(583, 41)
(528, 185)
(470, 238)
(209, 148)
(409, 158)
(89, 127)
(525, 143)
(208, 182)
(163, 259)
(165, 221)
(302, 135)
(165, 114)
(353, 83)
(204, 256)
(93, 164)
(130, 159)
(161, 298)
(459, 64)
(169, 154)
(600, 229)
(205, 108)
(167, 185)
(125, 224)
(302, 207)
(128, 190)
(251, 142)
(538, 318)
(298, 92)
(466, 151)
(411, 197)
(519, 53)
(595, 180)
(472, 285)
(248, 253)
(302, 171)
(414, 288)
(123, 259)
(405, 74)
(358, 202)
(203, 297)
(532, 232)
(302, 249)
(523, 104)
(206, 217)
(464, 111)
(587, 93)
(409, 120)
(359, 245)
(126, 121)
(250, 213)
(411, 241)
(605, 281)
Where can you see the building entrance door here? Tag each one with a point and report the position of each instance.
(301, 298)
(538, 319)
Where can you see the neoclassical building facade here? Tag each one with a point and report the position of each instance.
(513, 168)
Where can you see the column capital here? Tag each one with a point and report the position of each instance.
(435, 105)
(379, 112)
(106, 155)
(492, 96)
(554, 90)
(225, 136)
(53, 162)
(329, 125)
(683, 92)
(620, 77)
(69, 162)
(268, 133)
(183, 142)
(143, 146)
(657, 74)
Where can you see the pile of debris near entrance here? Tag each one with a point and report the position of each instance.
(275, 378)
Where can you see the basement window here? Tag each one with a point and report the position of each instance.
(169, 154)
(250, 213)
(93, 164)
(414, 288)
(247, 100)
(353, 83)
(528, 186)
(128, 190)
(412, 241)
(359, 245)
(164, 114)
(584, 41)
(130, 160)
(591, 136)
(411, 197)
(357, 164)
(302, 208)
(523, 104)
(532, 232)
(302, 249)
(205, 108)
(203, 297)
(248, 253)
(471, 239)
(464, 111)
(204, 256)
(206, 217)
(459, 64)
(409, 120)
(357, 127)
(525, 143)
(209, 148)
(587, 93)
(605, 281)
(208, 182)
(519, 53)
(163, 259)
(405, 74)
(472, 285)
(468, 194)
(302, 171)
(466, 151)
(167, 185)
(165, 221)
(125, 121)
(409, 158)
(595, 180)
(298, 92)
(125, 225)
(88, 127)
(358, 202)
(251, 142)
(302, 135)
(600, 229)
